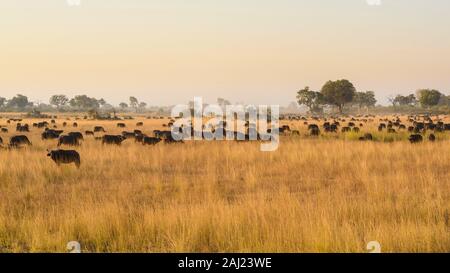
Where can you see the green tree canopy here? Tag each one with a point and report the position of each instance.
(366, 99)
(84, 102)
(310, 99)
(338, 93)
(59, 100)
(428, 97)
(19, 101)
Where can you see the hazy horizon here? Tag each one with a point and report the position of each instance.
(167, 52)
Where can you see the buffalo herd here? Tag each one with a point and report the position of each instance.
(418, 128)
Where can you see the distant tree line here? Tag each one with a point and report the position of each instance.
(342, 94)
(63, 103)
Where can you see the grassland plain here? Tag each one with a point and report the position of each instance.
(325, 194)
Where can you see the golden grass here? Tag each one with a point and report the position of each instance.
(311, 195)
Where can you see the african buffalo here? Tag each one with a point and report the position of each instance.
(314, 131)
(68, 140)
(19, 140)
(99, 129)
(432, 137)
(22, 128)
(65, 157)
(150, 140)
(111, 139)
(415, 138)
(51, 134)
(77, 135)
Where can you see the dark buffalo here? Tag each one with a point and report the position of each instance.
(111, 139)
(89, 133)
(312, 126)
(139, 137)
(75, 124)
(140, 124)
(22, 128)
(346, 129)
(68, 140)
(415, 138)
(99, 129)
(51, 134)
(19, 140)
(150, 140)
(77, 135)
(314, 131)
(65, 157)
(432, 137)
(366, 137)
(4, 130)
(121, 125)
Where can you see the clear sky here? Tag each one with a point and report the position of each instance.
(258, 51)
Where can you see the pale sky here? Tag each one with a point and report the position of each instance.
(253, 51)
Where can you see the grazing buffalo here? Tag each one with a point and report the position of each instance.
(89, 133)
(68, 140)
(432, 137)
(22, 128)
(150, 140)
(139, 137)
(4, 130)
(99, 129)
(77, 135)
(65, 157)
(140, 124)
(312, 126)
(19, 140)
(346, 129)
(162, 134)
(51, 134)
(415, 138)
(355, 129)
(315, 131)
(111, 139)
(121, 125)
(391, 131)
(366, 137)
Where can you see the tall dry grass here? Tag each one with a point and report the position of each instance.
(311, 195)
